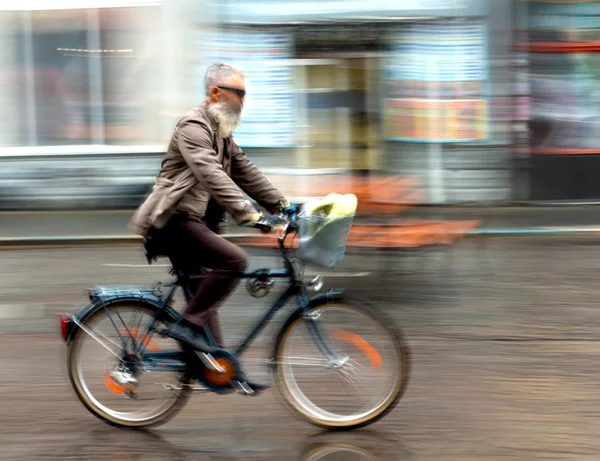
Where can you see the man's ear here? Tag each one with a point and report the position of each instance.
(214, 93)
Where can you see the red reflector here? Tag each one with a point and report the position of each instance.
(65, 321)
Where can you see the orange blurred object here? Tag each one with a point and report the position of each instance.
(380, 197)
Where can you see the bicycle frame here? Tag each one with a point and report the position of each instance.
(293, 289)
(173, 360)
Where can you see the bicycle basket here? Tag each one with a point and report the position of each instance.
(323, 236)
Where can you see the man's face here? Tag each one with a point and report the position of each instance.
(232, 92)
(226, 101)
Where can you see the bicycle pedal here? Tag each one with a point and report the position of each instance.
(243, 388)
(251, 390)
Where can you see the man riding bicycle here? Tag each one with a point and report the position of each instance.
(202, 176)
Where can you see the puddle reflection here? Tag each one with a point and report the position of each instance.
(336, 452)
(109, 444)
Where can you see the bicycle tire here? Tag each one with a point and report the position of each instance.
(401, 347)
(162, 418)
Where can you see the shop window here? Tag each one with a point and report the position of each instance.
(562, 41)
(84, 76)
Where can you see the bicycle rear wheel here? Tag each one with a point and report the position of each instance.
(361, 384)
(120, 392)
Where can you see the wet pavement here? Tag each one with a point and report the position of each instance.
(504, 346)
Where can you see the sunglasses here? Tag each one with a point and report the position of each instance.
(240, 93)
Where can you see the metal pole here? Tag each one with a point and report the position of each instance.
(95, 72)
(30, 103)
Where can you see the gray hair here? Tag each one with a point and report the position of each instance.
(218, 72)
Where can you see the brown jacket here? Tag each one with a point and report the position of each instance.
(198, 165)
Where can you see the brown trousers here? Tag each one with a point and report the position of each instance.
(195, 249)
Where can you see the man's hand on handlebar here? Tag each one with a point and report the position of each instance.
(288, 208)
(266, 223)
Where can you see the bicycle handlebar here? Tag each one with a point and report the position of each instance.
(287, 216)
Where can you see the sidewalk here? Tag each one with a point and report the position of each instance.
(111, 226)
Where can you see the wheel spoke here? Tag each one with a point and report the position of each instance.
(304, 361)
(94, 334)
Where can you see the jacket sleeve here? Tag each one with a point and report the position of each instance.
(196, 146)
(252, 181)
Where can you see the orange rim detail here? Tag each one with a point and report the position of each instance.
(119, 389)
(114, 387)
(361, 344)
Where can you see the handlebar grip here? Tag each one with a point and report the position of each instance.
(292, 209)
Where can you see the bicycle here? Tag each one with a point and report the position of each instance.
(136, 352)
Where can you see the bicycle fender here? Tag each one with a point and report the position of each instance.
(318, 300)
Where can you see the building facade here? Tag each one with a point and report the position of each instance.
(561, 43)
(424, 88)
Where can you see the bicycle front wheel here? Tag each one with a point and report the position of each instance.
(363, 380)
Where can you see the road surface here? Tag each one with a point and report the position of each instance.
(505, 360)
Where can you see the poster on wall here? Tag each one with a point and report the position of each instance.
(435, 84)
(268, 116)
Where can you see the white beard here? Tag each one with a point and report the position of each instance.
(228, 120)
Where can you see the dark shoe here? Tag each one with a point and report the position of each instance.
(191, 335)
(194, 337)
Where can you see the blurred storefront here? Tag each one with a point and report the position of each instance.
(414, 88)
(561, 43)
(89, 92)
(421, 88)
(81, 77)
